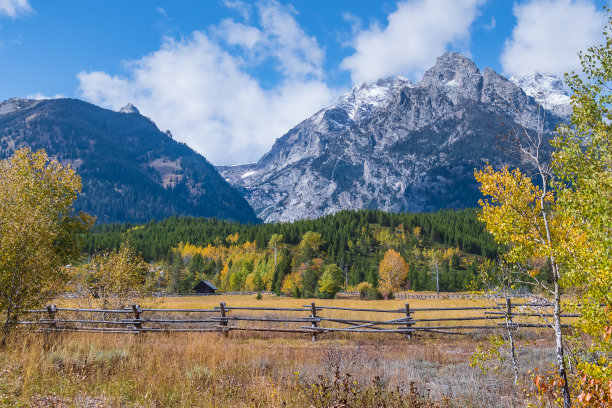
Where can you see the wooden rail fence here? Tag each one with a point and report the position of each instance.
(310, 319)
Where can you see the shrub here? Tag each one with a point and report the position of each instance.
(340, 390)
(374, 294)
(363, 288)
(330, 282)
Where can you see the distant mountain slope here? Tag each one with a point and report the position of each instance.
(131, 171)
(547, 90)
(392, 145)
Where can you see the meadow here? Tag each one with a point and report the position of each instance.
(261, 370)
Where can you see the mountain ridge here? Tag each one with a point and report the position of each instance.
(414, 149)
(131, 171)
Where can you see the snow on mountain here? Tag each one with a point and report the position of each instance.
(360, 101)
(129, 108)
(547, 90)
(309, 138)
(393, 145)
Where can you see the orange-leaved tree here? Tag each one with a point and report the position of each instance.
(392, 272)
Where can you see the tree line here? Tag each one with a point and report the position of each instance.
(355, 241)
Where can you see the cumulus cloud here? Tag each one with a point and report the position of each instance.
(549, 34)
(203, 93)
(14, 8)
(416, 33)
(298, 54)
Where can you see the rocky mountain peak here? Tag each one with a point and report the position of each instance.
(458, 74)
(449, 66)
(129, 108)
(547, 90)
(309, 137)
(497, 89)
(360, 101)
(392, 145)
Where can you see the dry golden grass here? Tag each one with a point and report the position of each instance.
(256, 369)
(203, 302)
(273, 301)
(207, 370)
(206, 302)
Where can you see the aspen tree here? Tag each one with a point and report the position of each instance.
(39, 231)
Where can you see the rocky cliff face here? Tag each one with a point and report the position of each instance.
(130, 170)
(392, 145)
(547, 90)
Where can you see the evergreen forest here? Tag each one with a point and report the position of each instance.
(292, 258)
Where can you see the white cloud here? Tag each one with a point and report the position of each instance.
(244, 9)
(40, 96)
(299, 55)
(13, 8)
(416, 33)
(243, 35)
(280, 38)
(204, 94)
(549, 34)
(354, 21)
(162, 12)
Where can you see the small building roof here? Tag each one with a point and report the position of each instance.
(207, 283)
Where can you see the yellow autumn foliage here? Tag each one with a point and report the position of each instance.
(393, 270)
(38, 230)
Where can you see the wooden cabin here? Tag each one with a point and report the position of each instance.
(205, 288)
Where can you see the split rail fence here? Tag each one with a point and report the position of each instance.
(310, 319)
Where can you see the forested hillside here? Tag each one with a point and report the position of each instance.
(355, 241)
(130, 170)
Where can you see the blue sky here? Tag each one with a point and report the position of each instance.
(228, 77)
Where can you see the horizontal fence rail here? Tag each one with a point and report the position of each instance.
(310, 319)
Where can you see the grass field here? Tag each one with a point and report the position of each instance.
(268, 300)
(271, 300)
(253, 370)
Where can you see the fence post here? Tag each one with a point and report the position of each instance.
(509, 310)
(137, 324)
(408, 321)
(51, 311)
(313, 314)
(223, 320)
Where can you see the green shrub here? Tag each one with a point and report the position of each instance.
(374, 294)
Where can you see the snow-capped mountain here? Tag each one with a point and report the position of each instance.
(392, 145)
(547, 90)
(353, 107)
